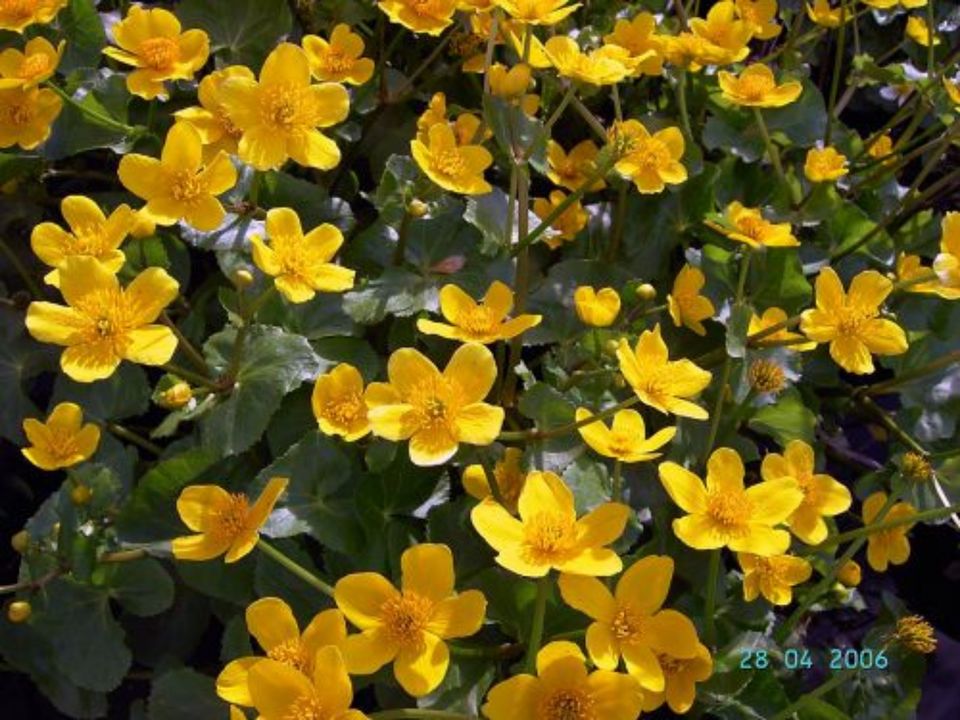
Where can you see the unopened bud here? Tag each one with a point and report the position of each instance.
(175, 397)
(80, 494)
(646, 292)
(242, 279)
(418, 208)
(610, 347)
(20, 541)
(19, 611)
(850, 573)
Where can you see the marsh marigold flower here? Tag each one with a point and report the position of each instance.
(150, 41)
(226, 523)
(512, 85)
(659, 382)
(773, 577)
(722, 513)
(339, 59)
(563, 689)
(37, 62)
(639, 38)
(17, 15)
(605, 66)
(626, 439)
(630, 623)
(102, 323)
(484, 322)
(27, 116)
(760, 16)
(680, 678)
(62, 441)
(338, 403)
(850, 321)
(947, 263)
(548, 534)
(436, 411)
(825, 16)
(568, 225)
(508, 473)
(685, 303)
(757, 87)
(825, 165)
(300, 263)
(571, 170)
(175, 397)
(771, 317)
(451, 165)
(651, 161)
(850, 574)
(421, 16)
(211, 118)
(723, 30)
(408, 626)
(748, 226)
(537, 12)
(596, 308)
(887, 547)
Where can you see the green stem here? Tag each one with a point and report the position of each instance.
(837, 66)
(132, 437)
(774, 155)
(491, 475)
(522, 282)
(190, 376)
(32, 287)
(193, 355)
(590, 119)
(428, 61)
(710, 604)
(822, 689)
(498, 652)
(682, 105)
(104, 120)
(551, 121)
(616, 494)
(535, 434)
(294, 567)
(915, 374)
(890, 424)
(536, 627)
(619, 223)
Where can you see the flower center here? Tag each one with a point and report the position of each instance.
(159, 53)
(755, 87)
(290, 652)
(548, 536)
(449, 163)
(730, 510)
(226, 123)
(479, 321)
(671, 665)
(336, 62)
(33, 66)
(851, 320)
(621, 443)
(650, 154)
(18, 8)
(281, 106)
(752, 227)
(19, 112)
(567, 704)
(405, 617)
(87, 240)
(765, 376)
(107, 315)
(186, 186)
(346, 409)
(435, 403)
(229, 521)
(63, 443)
(627, 625)
(306, 707)
(769, 571)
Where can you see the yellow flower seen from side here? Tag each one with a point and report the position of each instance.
(918, 31)
(881, 148)
(685, 303)
(596, 308)
(760, 16)
(953, 90)
(453, 166)
(62, 441)
(605, 66)
(825, 165)
(17, 15)
(571, 170)
(568, 225)
(773, 577)
(723, 513)
(36, 63)
(211, 118)
(484, 322)
(225, 523)
(150, 41)
(822, 14)
(339, 59)
(27, 116)
(887, 547)
(748, 226)
(421, 16)
(651, 161)
(626, 439)
(537, 12)
(723, 30)
(771, 317)
(408, 626)
(508, 473)
(176, 396)
(639, 38)
(850, 573)
(947, 263)
(757, 87)
(338, 403)
(512, 84)
(681, 676)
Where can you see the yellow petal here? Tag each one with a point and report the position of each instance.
(545, 492)
(197, 504)
(368, 651)
(683, 487)
(672, 633)
(724, 471)
(326, 628)
(616, 696)
(421, 669)
(589, 596)
(277, 688)
(774, 500)
(270, 620)
(360, 597)
(331, 683)
(479, 424)
(473, 370)
(498, 527)
(602, 645)
(233, 681)
(458, 616)
(646, 583)
(427, 570)
(642, 664)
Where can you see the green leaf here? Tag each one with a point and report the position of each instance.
(141, 587)
(124, 394)
(21, 359)
(75, 131)
(782, 281)
(246, 33)
(82, 28)
(787, 419)
(185, 694)
(215, 578)
(273, 580)
(546, 406)
(397, 292)
(311, 202)
(803, 121)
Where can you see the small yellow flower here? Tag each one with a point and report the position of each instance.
(436, 411)
(692, 52)
(659, 382)
(435, 114)
(340, 59)
(638, 37)
(300, 264)
(62, 441)
(508, 473)
(421, 16)
(916, 634)
(563, 688)
(918, 31)
(722, 30)
(651, 161)
(408, 626)
(37, 63)
(537, 12)
(748, 226)
(512, 85)
(630, 623)
(151, 41)
(953, 90)
(176, 396)
(947, 263)
(92, 234)
(760, 16)
(596, 308)
(17, 15)
(103, 323)
(686, 305)
(211, 118)
(781, 338)
(850, 573)
(338, 403)
(605, 66)
(568, 225)
(850, 321)
(723, 513)
(887, 547)
(225, 523)
(825, 165)
(626, 439)
(179, 186)
(881, 148)
(454, 167)
(825, 16)
(571, 170)
(757, 87)
(680, 678)
(27, 116)
(484, 322)
(773, 577)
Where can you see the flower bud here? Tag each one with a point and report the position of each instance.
(81, 494)
(175, 397)
(19, 611)
(850, 573)
(242, 279)
(646, 292)
(417, 208)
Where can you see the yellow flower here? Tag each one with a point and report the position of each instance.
(757, 87)
(300, 264)
(512, 84)
(822, 495)
(548, 534)
(176, 396)
(748, 226)
(918, 31)
(685, 303)
(722, 30)
(825, 165)
(17, 15)
(271, 621)
(62, 441)
(953, 90)
(537, 12)
(422, 16)
(280, 692)
(881, 148)
(563, 689)
(340, 59)
(484, 322)
(454, 167)
(651, 161)
(947, 263)
(659, 382)
(509, 474)
(760, 16)
(226, 523)
(211, 119)
(568, 225)
(151, 41)
(692, 52)
(850, 322)
(629, 622)
(783, 337)
(37, 62)
(27, 115)
(887, 547)
(571, 170)
(179, 186)
(91, 234)
(280, 114)
(825, 16)
(724, 513)
(436, 411)
(338, 403)
(680, 678)
(408, 626)
(626, 439)
(605, 66)
(850, 573)
(103, 323)
(773, 577)
(638, 37)
(596, 308)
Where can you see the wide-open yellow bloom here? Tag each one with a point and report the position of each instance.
(451, 165)
(760, 16)
(422, 16)
(685, 303)
(825, 164)
(605, 66)
(692, 52)
(225, 523)
(179, 186)
(508, 473)
(757, 87)
(851, 322)
(37, 62)
(271, 621)
(947, 263)
(27, 115)
(651, 161)
(748, 226)
(723, 30)
(680, 678)
(300, 264)
(408, 626)
(659, 382)
(825, 16)
(211, 118)
(563, 689)
(626, 439)
(17, 15)
(150, 41)
(822, 495)
(436, 411)
(103, 323)
(62, 441)
(338, 403)
(630, 623)
(548, 534)
(887, 547)
(91, 234)
(568, 225)
(773, 577)
(484, 322)
(280, 113)
(783, 337)
(596, 308)
(723, 513)
(639, 38)
(537, 12)
(339, 59)
(571, 170)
